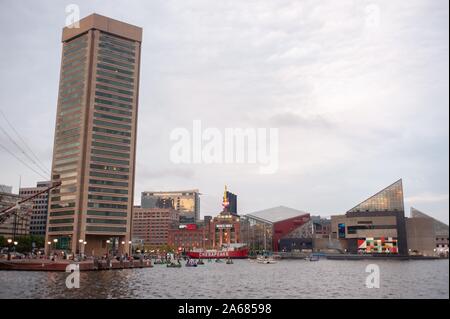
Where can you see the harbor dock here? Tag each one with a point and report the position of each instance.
(60, 265)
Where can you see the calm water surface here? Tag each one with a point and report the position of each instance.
(243, 279)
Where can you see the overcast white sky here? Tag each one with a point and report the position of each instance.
(357, 88)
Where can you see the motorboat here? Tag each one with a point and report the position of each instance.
(313, 258)
(229, 262)
(191, 263)
(173, 265)
(266, 260)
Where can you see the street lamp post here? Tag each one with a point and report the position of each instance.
(131, 247)
(49, 243)
(80, 241)
(15, 244)
(54, 242)
(9, 248)
(107, 247)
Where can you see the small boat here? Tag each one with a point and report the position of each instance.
(209, 260)
(191, 263)
(313, 258)
(219, 261)
(200, 262)
(266, 260)
(229, 262)
(173, 265)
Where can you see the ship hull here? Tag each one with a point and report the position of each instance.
(219, 254)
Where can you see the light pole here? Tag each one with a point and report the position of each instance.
(54, 242)
(131, 247)
(9, 248)
(107, 247)
(49, 243)
(80, 241)
(123, 245)
(15, 244)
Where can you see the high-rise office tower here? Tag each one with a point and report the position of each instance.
(38, 218)
(95, 138)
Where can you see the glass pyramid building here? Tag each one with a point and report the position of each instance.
(389, 199)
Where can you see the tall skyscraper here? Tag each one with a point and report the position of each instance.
(38, 218)
(95, 138)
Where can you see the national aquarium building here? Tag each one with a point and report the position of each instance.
(377, 225)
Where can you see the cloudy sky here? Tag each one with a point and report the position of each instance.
(358, 90)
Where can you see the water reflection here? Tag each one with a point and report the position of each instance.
(287, 279)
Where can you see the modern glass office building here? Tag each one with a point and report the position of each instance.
(377, 225)
(95, 137)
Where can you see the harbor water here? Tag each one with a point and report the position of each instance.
(243, 279)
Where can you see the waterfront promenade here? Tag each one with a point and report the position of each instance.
(60, 265)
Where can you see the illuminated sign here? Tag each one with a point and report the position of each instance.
(224, 226)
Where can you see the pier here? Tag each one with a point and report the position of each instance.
(60, 265)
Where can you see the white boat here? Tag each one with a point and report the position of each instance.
(265, 260)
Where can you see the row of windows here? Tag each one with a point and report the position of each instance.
(106, 229)
(111, 139)
(111, 47)
(64, 146)
(69, 132)
(124, 65)
(72, 83)
(114, 69)
(113, 103)
(116, 55)
(100, 213)
(63, 213)
(122, 42)
(113, 118)
(106, 221)
(109, 153)
(112, 89)
(115, 76)
(109, 198)
(108, 190)
(109, 168)
(108, 109)
(56, 229)
(73, 77)
(75, 50)
(71, 88)
(125, 85)
(70, 152)
(72, 104)
(109, 160)
(62, 205)
(75, 42)
(61, 221)
(106, 175)
(109, 183)
(109, 131)
(66, 160)
(104, 205)
(111, 146)
(69, 63)
(115, 125)
(113, 96)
